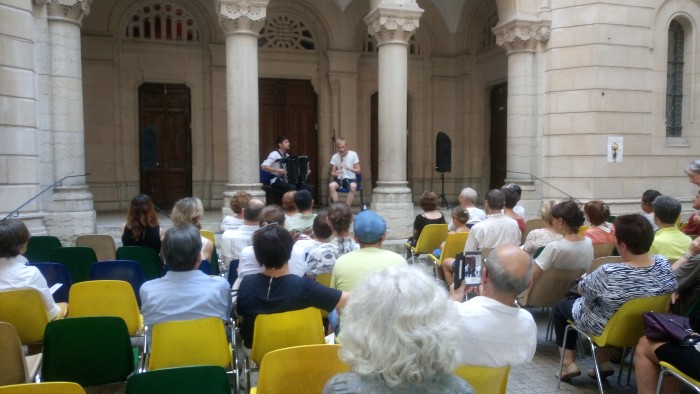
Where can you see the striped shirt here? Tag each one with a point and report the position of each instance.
(611, 285)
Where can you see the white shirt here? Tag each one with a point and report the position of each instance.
(231, 223)
(350, 159)
(519, 210)
(273, 161)
(475, 215)
(567, 255)
(16, 274)
(497, 229)
(233, 242)
(496, 335)
(297, 263)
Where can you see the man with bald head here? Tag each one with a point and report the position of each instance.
(496, 331)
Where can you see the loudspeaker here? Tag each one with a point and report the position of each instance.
(443, 153)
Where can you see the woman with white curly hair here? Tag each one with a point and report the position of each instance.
(393, 332)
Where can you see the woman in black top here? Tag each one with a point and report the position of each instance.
(141, 227)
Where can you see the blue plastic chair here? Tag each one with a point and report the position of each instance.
(359, 189)
(233, 271)
(126, 270)
(56, 273)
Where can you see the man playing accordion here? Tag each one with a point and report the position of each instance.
(290, 172)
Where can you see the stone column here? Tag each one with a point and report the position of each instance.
(19, 159)
(72, 205)
(242, 21)
(393, 24)
(521, 40)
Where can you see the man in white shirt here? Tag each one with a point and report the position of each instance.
(345, 165)
(233, 241)
(467, 200)
(497, 229)
(505, 273)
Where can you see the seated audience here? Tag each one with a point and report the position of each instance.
(339, 218)
(248, 264)
(467, 200)
(600, 231)
(184, 292)
(669, 240)
(323, 250)
(14, 271)
(540, 237)
(233, 241)
(189, 210)
(290, 209)
(505, 273)
(692, 227)
(399, 335)
(275, 289)
(141, 227)
(518, 209)
(693, 172)
(687, 272)
(604, 291)
(238, 201)
(511, 200)
(648, 198)
(300, 224)
(430, 215)
(460, 217)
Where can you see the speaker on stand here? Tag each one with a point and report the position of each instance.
(443, 162)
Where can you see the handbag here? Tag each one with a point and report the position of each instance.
(667, 327)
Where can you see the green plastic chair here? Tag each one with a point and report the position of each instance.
(214, 262)
(209, 379)
(147, 257)
(40, 247)
(77, 259)
(87, 350)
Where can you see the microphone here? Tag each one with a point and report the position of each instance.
(532, 176)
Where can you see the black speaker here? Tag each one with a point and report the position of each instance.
(443, 153)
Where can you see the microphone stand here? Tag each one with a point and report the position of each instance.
(443, 199)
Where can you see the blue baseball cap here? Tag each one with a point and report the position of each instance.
(369, 227)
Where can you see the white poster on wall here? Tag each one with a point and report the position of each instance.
(615, 149)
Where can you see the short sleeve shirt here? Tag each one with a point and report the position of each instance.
(350, 159)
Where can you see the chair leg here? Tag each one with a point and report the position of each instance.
(561, 359)
(550, 326)
(598, 377)
(660, 382)
(629, 368)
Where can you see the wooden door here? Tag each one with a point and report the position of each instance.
(288, 107)
(498, 143)
(165, 143)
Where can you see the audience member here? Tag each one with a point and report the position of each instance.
(141, 227)
(189, 210)
(692, 227)
(600, 230)
(184, 292)
(669, 240)
(518, 209)
(394, 331)
(687, 272)
(605, 290)
(14, 271)
(648, 198)
(511, 200)
(505, 273)
(351, 268)
(248, 264)
(300, 224)
(430, 215)
(290, 209)
(540, 237)
(237, 203)
(467, 200)
(460, 217)
(693, 171)
(233, 241)
(339, 218)
(323, 249)
(275, 289)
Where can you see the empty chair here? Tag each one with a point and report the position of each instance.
(147, 257)
(430, 239)
(26, 311)
(603, 260)
(43, 388)
(126, 270)
(485, 380)
(15, 368)
(209, 379)
(40, 247)
(102, 244)
(77, 259)
(56, 273)
(87, 350)
(106, 298)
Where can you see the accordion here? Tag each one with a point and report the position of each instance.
(297, 169)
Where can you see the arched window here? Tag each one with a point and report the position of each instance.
(286, 32)
(163, 22)
(674, 80)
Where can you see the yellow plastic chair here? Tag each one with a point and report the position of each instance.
(43, 388)
(280, 330)
(15, 367)
(302, 369)
(668, 369)
(485, 380)
(430, 239)
(106, 298)
(453, 244)
(530, 225)
(603, 260)
(324, 279)
(26, 311)
(603, 250)
(208, 235)
(624, 329)
(102, 244)
(582, 229)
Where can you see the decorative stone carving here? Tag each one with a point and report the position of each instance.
(393, 24)
(242, 15)
(68, 10)
(520, 35)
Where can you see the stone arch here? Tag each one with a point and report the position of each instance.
(304, 12)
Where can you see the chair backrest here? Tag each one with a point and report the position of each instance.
(102, 244)
(126, 270)
(77, 259)
(12, 363)
(43, 388)
(538, 252)
(602, 250)
(550, 287)
(306, 368)
(147, 257)
(106, 298)
(485, 380)
(215, 262)
(279, 330)
(530, 225)
(87, 350)
(26, 311)
(597, 262)
(56, 273)
(582, 230)
(430, 238)
(40, 247)
(453, 244)
(324, 279)
(625, 327)
(208, 235)
(210, 379)
(189, 342)
(233, 271)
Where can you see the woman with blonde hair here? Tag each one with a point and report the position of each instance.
(142, 227)
(189, 210)
(540, 237)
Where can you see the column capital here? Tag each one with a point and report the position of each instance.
(518, 35)
(67, 10)
(242, 16)
(393, 22)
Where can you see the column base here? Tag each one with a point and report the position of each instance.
(392, 200)
(72, 213)
(255, 190)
